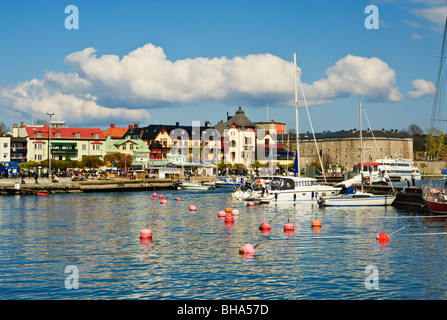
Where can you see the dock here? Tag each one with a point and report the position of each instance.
(110, 185)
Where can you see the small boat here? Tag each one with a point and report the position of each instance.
(193, 185)
(349, 197)
(228, 183)
(435, 198)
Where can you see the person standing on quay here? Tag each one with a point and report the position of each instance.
(413, 177)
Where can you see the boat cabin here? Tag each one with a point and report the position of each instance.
(367, 167)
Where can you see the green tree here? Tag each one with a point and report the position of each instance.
(118, 159)
(91, 162)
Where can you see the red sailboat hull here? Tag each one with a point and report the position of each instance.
(437, 207)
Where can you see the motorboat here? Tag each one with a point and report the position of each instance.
(249, 190)
(403, 169)
(287, 189)
(349, 197)
(193, 185)
(435, 199)
(229, 183)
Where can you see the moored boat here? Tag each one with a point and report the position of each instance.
(289, 189)
(435, 199)
(349, 197)
(193, 185)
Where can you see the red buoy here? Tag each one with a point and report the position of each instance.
(178, 199)
(229, 218)
(154, 195)
(289, 227)
(161, 196)
(42, 194)
(383, 238)
(265, 226)
(145, 233)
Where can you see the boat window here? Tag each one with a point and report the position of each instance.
(288, 184)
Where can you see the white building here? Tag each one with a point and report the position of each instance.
(5, 149)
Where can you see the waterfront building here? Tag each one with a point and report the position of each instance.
(67, 143)
(5, 149)
(341, 149)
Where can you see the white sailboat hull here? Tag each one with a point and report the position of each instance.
(357, 200)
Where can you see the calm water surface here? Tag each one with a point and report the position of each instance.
(194, 255)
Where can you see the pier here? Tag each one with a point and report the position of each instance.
(111, 185)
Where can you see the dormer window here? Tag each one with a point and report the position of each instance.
(96, 136)
(77, 135)
(58, 135)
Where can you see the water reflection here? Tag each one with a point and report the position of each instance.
(195, 255)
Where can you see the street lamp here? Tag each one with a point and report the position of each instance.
(49, 142)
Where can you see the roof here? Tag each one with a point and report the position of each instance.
(114, 132)
(66, 133)
(350, 134)
(151, 131)
(239, 119)
(112, 145)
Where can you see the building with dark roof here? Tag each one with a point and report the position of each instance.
(342, 148)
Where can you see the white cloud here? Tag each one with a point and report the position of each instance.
(421, 88)
(109, 88)
(369, 78)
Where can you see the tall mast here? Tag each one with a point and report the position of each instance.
(296, 116)
(361, 142)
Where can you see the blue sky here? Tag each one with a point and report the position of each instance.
(168, 61)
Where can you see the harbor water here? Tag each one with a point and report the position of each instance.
(87, 246)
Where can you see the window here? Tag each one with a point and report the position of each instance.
(77, 135)
(131, 146)
(58, 135)
(5, 145)
(39, 135)
(96, 136)
(96, 147)
(84, 147)
(38, 146)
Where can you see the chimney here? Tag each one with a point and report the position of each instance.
(207, 124)
(112, 125)
(135, 125)
(22, 124)
(15, 131)
(130, 126)
(177, 124)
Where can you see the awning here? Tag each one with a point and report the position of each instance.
(63, 143)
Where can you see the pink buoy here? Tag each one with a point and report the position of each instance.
(235, 212)
(265, 226)
(163, 201)
(250, 203)
(154, 195)
(178, 199)
(289, 226)
(192, 208)
(161, 196)
(145, 233)
(221, 214)
(247, 249)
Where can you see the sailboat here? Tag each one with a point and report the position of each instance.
(350, 196)
(286, 189)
